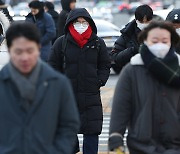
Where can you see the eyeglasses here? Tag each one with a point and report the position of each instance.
(84, 23)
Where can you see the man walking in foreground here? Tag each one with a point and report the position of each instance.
(38, 113)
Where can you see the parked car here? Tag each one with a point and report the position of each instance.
(109, 33)
(133, 7)
(21, 9)
(124, 7)
(104, 16)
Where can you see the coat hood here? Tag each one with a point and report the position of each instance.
(66, 4)
(130, 28)
(80, 12)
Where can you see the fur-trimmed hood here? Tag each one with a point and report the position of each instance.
(137, 59)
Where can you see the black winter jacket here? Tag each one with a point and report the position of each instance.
(63, 16)
(55, 17)
(126, 45)
(88, 69)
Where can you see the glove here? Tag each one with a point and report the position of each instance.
(115, 142)
(135, 50)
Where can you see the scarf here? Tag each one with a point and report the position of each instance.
(26, 85)
(166, 70)
(81, 39)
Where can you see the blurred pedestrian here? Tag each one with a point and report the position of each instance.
(45, 24)
(67, 6)
(174, 17)
(38, 111)
(3, 7)
(146, 100)
(49, 8)
(127, 44)
(83, 56)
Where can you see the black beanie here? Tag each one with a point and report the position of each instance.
(174, 16)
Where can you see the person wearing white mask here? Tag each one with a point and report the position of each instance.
(84, 58)
(127, 44)
(146, 99)
(174, 18)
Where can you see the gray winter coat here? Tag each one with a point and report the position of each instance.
(51, 124)
(149, 109)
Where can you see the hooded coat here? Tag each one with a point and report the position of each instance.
(88, 69)
(63, 16)
(46, 26)
(126, 45)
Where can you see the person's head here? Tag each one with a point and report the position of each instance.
(81, 19)
(68, 5)
(143, 16)
(23, 42)
(48, 6)
(80, 25)
(36, 7)
(174, 18)
(159, 33)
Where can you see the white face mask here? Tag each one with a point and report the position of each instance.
(159, 50)
(178, 31)
(80, 28)
(141, 26)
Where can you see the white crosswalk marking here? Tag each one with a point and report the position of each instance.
(103, 138)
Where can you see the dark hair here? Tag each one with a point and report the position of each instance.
(22, 29)
(144, 11)
(36, 5)
(49, 5)
(162, 25)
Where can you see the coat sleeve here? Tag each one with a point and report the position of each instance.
(50, 30)
(120, 54)
(56, 58)
(104, 64)
(121, 109)
(69, 123)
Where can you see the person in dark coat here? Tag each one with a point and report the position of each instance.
(87, 64)
(67, 6)
(127, 44)
(45, 24)
(174, 18)
(38, 111)
(3, 8)
(49, 8)
(146, 99)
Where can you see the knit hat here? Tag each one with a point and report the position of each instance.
(174, 16)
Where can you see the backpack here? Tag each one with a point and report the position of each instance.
(64, 45)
